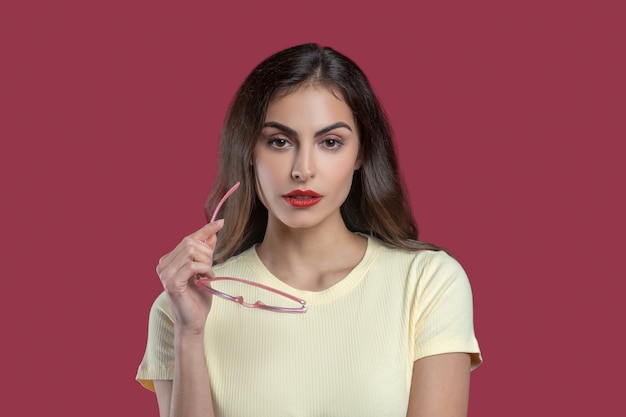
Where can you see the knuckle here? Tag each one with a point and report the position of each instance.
(187, 251)
(196, 268)
(188, 241)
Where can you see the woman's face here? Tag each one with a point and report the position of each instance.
(305, 158)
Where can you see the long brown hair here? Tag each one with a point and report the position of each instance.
(377, 204)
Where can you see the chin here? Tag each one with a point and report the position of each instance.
(298, 225)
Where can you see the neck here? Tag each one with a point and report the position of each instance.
(313, 258)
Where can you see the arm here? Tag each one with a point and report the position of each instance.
(189, 393)
(163, 391)
(445, 344)
(440, 386)
(192, 393)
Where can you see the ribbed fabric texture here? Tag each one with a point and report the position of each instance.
(350, 354)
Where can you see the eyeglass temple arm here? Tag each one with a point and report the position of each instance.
(219, 205)
(207, 282)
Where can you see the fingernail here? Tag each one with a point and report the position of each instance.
(218, 222)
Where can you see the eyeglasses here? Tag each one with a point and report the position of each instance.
(226, 287)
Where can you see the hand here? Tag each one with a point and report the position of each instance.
(178, 270)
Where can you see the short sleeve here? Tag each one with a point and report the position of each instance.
(158, 359)
(442, 312)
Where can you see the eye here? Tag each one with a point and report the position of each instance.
(332, 143)
(278, 143)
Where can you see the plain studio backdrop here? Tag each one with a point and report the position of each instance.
(510, 126)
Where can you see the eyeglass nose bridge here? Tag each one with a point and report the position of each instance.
(205, 284)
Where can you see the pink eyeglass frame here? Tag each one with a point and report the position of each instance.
(204, 283)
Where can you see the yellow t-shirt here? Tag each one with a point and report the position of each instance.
(351, 353)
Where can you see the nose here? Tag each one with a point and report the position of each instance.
(303, 166)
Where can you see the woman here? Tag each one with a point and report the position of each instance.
(320, 216)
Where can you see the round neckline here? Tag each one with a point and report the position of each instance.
(339, 289)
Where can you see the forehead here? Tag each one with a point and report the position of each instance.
(310, 104)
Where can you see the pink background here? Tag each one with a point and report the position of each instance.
(510, 124)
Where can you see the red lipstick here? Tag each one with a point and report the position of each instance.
(302, 198)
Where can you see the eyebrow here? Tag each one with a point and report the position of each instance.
(320, 132)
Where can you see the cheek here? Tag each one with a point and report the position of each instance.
(340, 177)
(265, 173)
(267, 164)
(340, 169)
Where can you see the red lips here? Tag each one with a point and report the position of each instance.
(302, 193)
(302, 198)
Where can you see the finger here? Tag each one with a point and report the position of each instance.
(208, 230)
(205, 235)
(211, 241)
(198, 243)
(178, 275)
(176, 281)
(189, 250)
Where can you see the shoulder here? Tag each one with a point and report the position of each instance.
(424, 269)
(438, 270)
(439, 263)
(423, 260)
